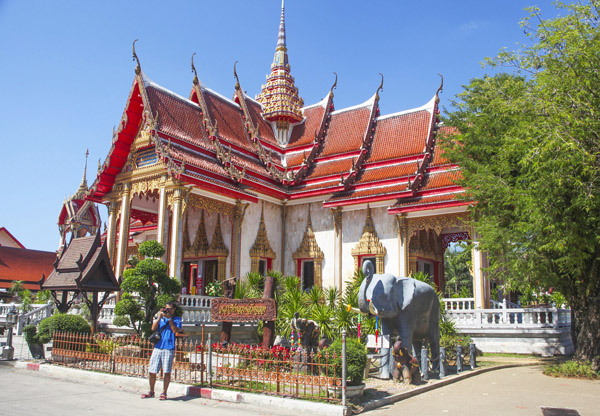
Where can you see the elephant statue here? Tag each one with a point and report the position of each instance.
(405, 305)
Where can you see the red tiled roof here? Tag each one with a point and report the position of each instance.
(428, 200)
(228, 117)
(264, 127)
(177, 117)
(305, 133)
(346, 131)
(401, 135)
(374, 191)
(30, 266)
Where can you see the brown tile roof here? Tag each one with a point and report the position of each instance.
(83, 265)
(30, 266)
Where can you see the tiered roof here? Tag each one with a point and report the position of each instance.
(348, 156)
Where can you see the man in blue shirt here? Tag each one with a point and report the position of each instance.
(164, 350)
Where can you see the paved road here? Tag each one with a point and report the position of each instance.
(520, 391)
(26, 393)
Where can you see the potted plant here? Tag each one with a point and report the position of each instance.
(36, 347)
(356, 361)
(37, 337)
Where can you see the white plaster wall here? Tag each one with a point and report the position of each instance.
(323, 227)
(210, 223)
(272, 214)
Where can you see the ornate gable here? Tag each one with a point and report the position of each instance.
(262, 247)
(309, 249)
(369, 244)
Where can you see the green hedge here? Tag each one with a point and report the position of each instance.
(58, 322)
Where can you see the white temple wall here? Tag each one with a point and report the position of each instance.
(272, 215)
(387, 231)
(352, 226)
(294, 230)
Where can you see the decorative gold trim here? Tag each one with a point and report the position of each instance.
(210, 205)
(437, 223)
(262, 247)
(369, 244)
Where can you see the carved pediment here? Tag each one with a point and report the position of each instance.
(262, 247)
(217, 245)
(309, 249)
(200, 246)
(369, 242)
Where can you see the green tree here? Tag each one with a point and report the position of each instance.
(457, 260)
(528, 143)
(147, 288)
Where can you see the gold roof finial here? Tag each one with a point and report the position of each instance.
(194, 70)
(138, 67)
(237, 80)
(441, 87)
(380, 88)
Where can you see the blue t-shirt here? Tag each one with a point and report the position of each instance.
(167, 336)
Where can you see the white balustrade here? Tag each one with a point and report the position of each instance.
(459, 303)
(196, 309)
(33, 317)
(510, 318)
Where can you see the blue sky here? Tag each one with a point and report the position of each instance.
(66, 71)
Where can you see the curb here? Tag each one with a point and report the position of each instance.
(374, 404)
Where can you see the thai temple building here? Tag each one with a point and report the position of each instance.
(241, 184)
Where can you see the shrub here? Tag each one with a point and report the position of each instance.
(58, 322)
(449, 342)
(356, 359)
(573, 368)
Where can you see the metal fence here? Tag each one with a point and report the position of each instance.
(277, 371)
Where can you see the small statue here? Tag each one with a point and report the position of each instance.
(406, 366)
(308, 332)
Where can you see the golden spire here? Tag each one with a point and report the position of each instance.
(282, 105)
(80, 194)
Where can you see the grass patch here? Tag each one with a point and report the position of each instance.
(509, 355)
(573, 369)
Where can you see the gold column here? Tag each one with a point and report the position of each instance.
(236, 238)
(403, 245)
(163, 214)
(337, 225)
(123, 229)
(176, 235)
(111, 229)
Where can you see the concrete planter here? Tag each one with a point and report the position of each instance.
(351, 391)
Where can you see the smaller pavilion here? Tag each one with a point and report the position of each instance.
(83, 268)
